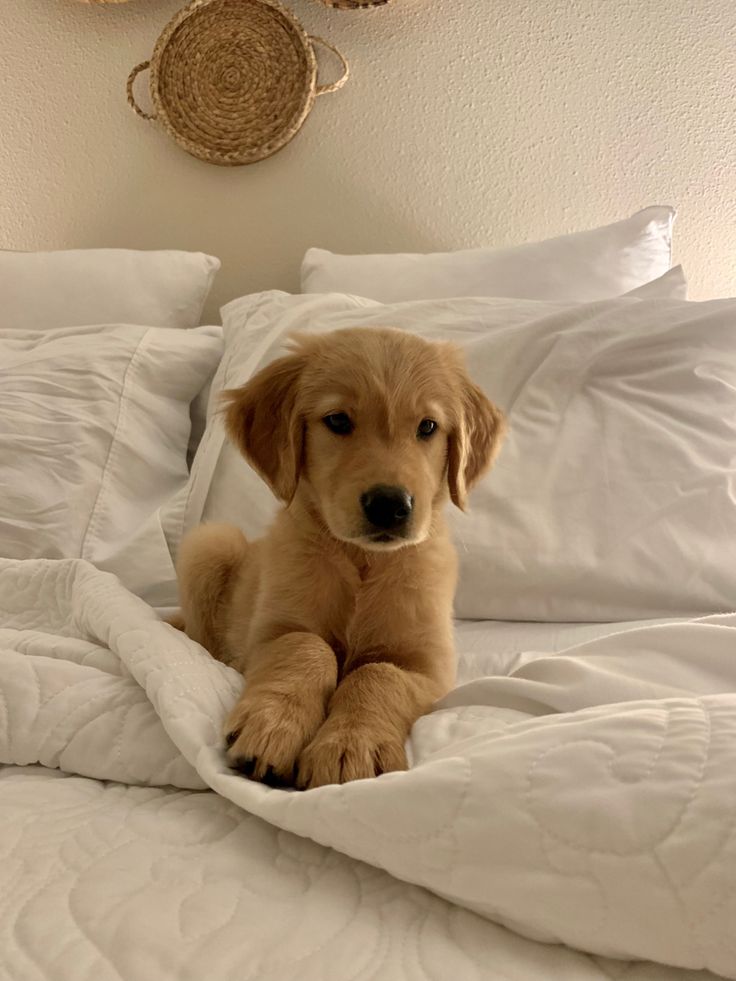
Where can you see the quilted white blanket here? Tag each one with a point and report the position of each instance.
(588, 798)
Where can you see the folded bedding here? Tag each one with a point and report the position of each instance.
(585, 797)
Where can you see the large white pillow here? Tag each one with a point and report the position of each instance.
(614, 497)
(94, 424)
(584, 266)
(216, 491)
(47, 290)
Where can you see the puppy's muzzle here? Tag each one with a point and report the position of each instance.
(387, 509)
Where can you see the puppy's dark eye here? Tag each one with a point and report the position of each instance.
(340, 423)
(425, 428)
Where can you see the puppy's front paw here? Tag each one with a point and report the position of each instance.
(265, 733)
(338, 754)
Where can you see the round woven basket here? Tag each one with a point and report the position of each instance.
(232, 81)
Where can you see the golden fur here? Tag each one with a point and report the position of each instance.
(344, 635)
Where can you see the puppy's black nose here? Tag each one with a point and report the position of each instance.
(387, 507)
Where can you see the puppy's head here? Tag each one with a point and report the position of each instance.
(374, 425)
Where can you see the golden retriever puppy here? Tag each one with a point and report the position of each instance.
(340, 618)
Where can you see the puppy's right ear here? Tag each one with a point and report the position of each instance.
(262, 420)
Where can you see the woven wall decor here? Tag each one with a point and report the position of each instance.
(232, 81)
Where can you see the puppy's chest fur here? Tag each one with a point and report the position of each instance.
(320, 587)
(336, 597)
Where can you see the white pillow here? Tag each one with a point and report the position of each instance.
(216, 492)
(614, 496)
(671, 286)
(584, 266)
(47, 290)
(94, 424)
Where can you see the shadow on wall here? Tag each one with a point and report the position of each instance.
(259, 220)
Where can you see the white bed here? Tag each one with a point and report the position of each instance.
(111, 879)
(569, 811)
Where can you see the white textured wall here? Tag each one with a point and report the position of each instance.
(465, 122)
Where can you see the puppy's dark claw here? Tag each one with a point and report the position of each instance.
(245, 765)
(273, 779)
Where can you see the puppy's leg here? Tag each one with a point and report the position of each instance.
(288, 685)
(176, 620)
(369, 719)
(208, 559)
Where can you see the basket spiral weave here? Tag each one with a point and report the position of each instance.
(232, 81)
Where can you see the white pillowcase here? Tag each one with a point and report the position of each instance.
(614, 497)
(216, 491)
(94, 424)
(584, 266)
(46, 290)
(671, 286)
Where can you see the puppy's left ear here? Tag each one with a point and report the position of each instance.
(475, 442)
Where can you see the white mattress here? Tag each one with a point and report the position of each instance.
(109, 879)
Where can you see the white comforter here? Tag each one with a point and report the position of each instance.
(587, 798)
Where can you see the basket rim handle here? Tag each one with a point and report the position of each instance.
(328, 87)
(129, 89)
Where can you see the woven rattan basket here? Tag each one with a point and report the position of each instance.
(232, 81)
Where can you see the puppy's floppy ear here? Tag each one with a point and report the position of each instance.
(474, 443)
(261, 418)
